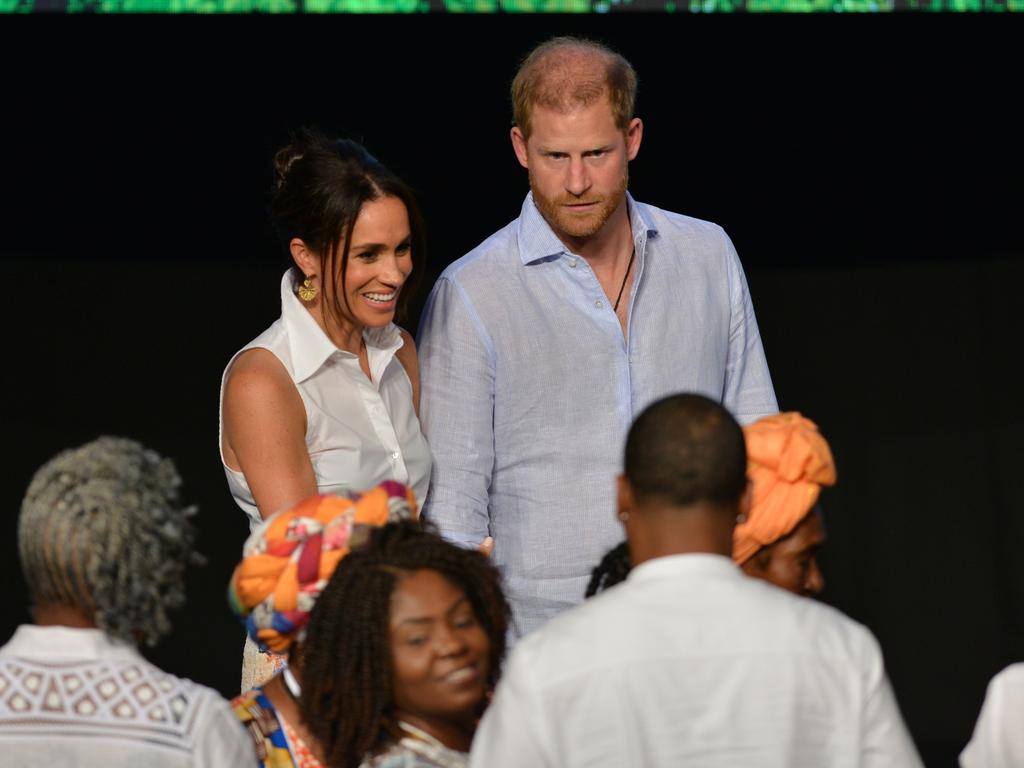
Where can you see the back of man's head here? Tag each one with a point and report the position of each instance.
(686, 450)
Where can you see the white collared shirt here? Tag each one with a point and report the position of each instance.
(998, 740)
(689, 662)
(74, 697)
(359, 432)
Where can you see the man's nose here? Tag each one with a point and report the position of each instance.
(577, 179)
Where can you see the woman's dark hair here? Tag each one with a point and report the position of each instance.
(320, 187)
(613, 569)
(347, 681)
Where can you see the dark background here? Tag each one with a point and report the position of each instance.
(868, 169)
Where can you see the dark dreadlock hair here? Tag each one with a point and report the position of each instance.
(345, 658)
(613, 569)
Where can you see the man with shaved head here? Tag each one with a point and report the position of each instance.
(689, 662)
(539, 347)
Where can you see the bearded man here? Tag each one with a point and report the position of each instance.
(538, 348)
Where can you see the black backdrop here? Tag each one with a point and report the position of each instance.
(868, 169)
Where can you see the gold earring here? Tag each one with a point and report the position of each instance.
(307, 291)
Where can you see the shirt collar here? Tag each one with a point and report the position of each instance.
(538, 241)
(310, 347)
(55, 643)
(693, 564)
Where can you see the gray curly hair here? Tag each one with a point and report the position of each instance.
(101, 530)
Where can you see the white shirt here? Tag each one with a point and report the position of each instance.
(358, 432)
(76, 698)
(998, 740)
(689, 662)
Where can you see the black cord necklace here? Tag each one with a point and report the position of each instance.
(624, 279)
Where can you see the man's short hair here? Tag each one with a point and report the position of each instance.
(568, 72)
(686, 449)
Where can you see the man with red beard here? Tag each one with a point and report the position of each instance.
(539, 347)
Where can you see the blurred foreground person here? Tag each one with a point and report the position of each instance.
(689, 662)
(394, 636)
(788, 462)
(104, 543)
(998, 740)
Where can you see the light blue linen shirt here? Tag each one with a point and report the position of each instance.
(529, 387)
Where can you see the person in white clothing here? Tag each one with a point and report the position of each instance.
(326, 399)
(998, 740)
(690, 661)
(104, 543)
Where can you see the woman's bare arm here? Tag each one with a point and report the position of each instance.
(265, 432)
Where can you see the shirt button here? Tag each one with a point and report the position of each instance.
(598, 304)
(394, 455)
(572, 263)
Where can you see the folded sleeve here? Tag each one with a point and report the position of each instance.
(748, 389)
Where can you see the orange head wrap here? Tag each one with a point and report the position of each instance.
(289, 558)
(787, 463)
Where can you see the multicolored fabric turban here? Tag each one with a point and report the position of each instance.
(288, 560)
(788, 461)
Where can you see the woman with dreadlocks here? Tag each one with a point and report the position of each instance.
(104, 543)
(392, 651)
(409, 643)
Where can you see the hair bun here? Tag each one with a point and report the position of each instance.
(284, 160)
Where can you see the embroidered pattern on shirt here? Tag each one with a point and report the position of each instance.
(126, 701)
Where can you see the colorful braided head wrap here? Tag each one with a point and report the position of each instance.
(288, 560)
(787, 463)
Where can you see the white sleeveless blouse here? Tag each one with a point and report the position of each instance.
(358, 432)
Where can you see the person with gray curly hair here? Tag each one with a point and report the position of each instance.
(104, 543)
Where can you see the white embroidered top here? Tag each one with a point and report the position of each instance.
(359, 431)
(75, 697)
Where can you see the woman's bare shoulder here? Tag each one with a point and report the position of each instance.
(257, 373)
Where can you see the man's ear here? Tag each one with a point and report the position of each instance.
(519, 145)
(625, 501)
(634, 135)
(304, 257)
(746, 499)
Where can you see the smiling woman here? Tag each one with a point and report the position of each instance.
(326, 399)
(403, 650)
